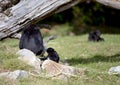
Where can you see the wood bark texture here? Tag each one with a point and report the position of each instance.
(111, 3)
(16, 14)
(13, 19)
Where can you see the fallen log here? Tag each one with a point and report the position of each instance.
(16, 14)
(16, 17)
(111, 3)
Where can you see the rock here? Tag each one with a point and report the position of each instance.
(29, 57)
(59, 71)
(15, 74)
(114, 70)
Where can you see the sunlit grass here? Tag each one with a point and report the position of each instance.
(96, 57)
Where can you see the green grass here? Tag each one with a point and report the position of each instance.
(96, 57)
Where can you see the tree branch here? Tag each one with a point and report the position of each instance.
(27, 11)
(22, 12)
(111, 3)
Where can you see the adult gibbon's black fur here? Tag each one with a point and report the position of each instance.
(95, 36)
(32, 39)
(52, 55)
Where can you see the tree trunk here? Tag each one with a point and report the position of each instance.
(15, 18)
(15, 14)
(111, 3)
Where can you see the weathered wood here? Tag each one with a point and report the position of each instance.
(111, 3)
(16, 36)
(13, 19)
(5, 4)
(26, 11)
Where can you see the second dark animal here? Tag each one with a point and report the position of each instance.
(52, 55)
(95, 36)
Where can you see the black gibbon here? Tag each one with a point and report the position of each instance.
(52, 55)
(32, 39)
(95, 36)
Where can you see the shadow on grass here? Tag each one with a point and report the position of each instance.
(95, 59)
